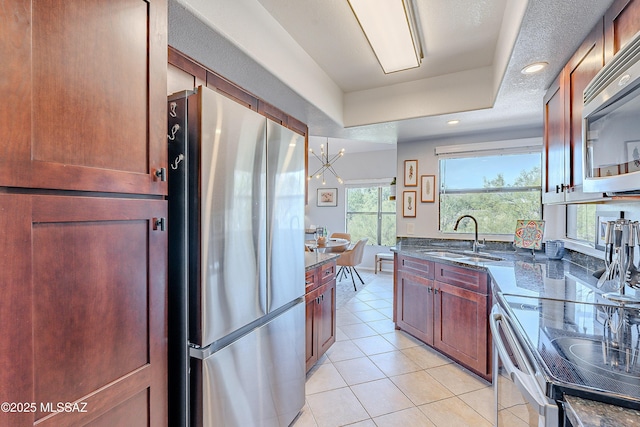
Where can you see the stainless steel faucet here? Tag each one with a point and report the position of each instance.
(476, 244)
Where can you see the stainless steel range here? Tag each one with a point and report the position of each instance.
(586, 346)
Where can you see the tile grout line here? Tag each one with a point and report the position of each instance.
(381, 295)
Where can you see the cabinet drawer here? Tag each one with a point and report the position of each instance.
(327, 272)
(311, 280)
(318, 291)
(473, 280)
(416, 265)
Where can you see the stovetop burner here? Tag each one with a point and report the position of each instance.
(601, 357)
(593, 364)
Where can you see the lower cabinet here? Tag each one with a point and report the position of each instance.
(320, 301)
(83, 311)
(414, 306)
(446, 307)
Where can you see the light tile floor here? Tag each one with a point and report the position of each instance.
(375, 375)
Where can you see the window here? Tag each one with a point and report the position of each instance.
(581, 222)
(497, 189)
(371, 214)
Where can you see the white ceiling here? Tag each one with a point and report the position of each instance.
(474, 51)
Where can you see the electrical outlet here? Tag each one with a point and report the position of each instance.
(411, 228)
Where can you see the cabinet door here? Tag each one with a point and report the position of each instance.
(414, 300)
(581, 68)
(84, 290)
(621, 23)
(86, 85)
(554, 142)
(311, 343)
(461, 327)
(326, 320)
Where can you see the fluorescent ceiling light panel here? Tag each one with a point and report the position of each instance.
(386, 24)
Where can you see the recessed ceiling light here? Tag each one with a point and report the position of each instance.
(453, 122)
(534, 68)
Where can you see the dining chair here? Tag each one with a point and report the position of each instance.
(341, 236)
(349, 259)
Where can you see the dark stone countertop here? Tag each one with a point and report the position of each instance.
(536, 291)
(316, 259)
(589, 413)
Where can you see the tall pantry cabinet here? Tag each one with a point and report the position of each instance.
(82, 212)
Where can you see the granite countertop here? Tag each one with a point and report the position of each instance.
(519, 273)
(315, 259)
(549, 299)
(589, 413)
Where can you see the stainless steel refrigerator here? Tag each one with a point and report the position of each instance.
(236, 265)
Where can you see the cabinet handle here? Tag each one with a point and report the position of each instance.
(158, 223)
(161, 174)
(435, 291)
(322, 296)
(429, 289)
(560, 188)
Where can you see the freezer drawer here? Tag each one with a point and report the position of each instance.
(257, 380)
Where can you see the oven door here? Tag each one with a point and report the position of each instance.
(519, 398)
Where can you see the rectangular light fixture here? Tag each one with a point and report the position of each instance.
(390, 28)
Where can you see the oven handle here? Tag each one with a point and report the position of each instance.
(525, 381)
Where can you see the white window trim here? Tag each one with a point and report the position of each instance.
(490, 148)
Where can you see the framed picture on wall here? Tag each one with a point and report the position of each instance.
(409, 204)
(410, 173)
(428, 188)
(327, 197)
(601, 226)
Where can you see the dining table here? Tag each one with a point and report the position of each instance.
(330, 245)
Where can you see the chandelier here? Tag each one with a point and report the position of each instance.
(326, 163)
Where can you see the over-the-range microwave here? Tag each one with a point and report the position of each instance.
(611, 125)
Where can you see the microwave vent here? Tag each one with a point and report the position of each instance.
(625, 58)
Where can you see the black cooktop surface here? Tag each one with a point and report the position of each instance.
(592, 346)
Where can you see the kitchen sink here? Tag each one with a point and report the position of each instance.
(463, 256)
(443, 254)
(481, 258)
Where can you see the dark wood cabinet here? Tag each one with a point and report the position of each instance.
(563, 105)
(621, 23)
(320, 301)
(414, 305)
(461, 316)
(446, 307)
(82, 202)
(85, 82)
(84, 315)
(553, 155)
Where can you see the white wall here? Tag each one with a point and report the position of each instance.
(425, 224)
(374, 166)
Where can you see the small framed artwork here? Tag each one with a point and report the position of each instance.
(633, 156)
(327, 197)
(409, 204)
(601, 227)
(609, 170)
(428, 188)
(410, 173)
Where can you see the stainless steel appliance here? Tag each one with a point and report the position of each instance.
(611, 129)
(547, 348)
(236, 265)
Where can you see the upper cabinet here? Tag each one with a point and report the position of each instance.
(563, 104)
(87, 113)
(555, 152)
(621, 23)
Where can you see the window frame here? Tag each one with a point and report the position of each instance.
(490, 152)
(379, 212)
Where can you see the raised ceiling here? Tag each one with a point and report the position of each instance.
(474, 51)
